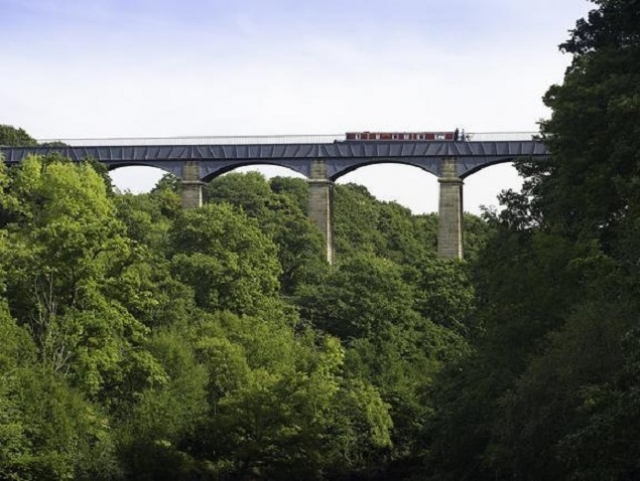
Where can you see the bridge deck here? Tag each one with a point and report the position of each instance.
(341, 156)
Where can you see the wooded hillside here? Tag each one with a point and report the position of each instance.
(145, 342)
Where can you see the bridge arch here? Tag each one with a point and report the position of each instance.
(210, 170)
(471, 169)
(136, 178)
(487, 183)
(409, 185)
(267, 168)
(336, 170)
(168, 168)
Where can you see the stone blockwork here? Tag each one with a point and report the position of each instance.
(191, 185)
(321, 193)
(450, 211)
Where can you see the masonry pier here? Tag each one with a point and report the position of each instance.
(450, 211)
(191, 185)
(321, 191)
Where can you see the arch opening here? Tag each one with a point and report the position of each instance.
(408, 185)
(359, 165)
(136, 179)
(482, 188)
(268, 170)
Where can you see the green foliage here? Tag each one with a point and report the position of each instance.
(153, 440)
(603, 446)
(569, 377)
(356, 218)
(13, 137)
(62, 436)
(281, 218)
(141, 341)
(225, 259)
(368, 304)
(443, 292)
(47, 429)
(68, 251)
(280, 405)
(594, 128)
(548, 392)
(296, 189)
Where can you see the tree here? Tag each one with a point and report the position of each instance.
(277, 405)
(296, 189)
(280, 217)
(15, 137)
(225, 259)
(590, 187)
(47, 429)
(558, 284)
(155, 439)
(547, 412)
(367, 303)
(68, 255)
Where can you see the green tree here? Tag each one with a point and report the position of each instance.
(557, 286)
(15, 137)
(278, 404)
(155, 439)
(225, 259)
(367, 303)
(47, 429)
(356, 218)
(296, 189)
(298, 242)
(68, 255)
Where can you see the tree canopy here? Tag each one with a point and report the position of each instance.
(144, 342)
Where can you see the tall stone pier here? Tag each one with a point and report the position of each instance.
(450, 211)
(321, 204)
(191, 185)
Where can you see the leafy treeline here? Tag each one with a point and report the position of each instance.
(550, 389)
(144, 342)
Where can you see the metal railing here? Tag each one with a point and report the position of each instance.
(202, 140)
(265, 139)
(500, 136)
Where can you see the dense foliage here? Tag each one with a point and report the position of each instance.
(549, 390)
(144, 342)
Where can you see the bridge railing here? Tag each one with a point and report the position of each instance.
(202, 140)
(500, 136)
(264, 139)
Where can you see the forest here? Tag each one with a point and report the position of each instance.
(141, 341)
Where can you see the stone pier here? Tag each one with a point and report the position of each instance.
(450, 211)
(321, 204)
(191, 185)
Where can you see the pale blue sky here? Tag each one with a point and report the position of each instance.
(114, 68)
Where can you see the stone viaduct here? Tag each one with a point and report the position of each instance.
(322, 163)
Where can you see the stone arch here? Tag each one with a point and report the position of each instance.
(337, 168)
(209, 170)
(409, 185)
(171, 168)
(472, 167)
